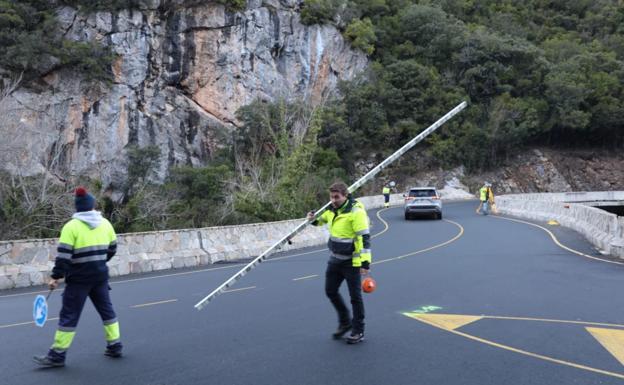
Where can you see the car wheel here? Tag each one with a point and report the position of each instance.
(439, 215)
(407, 217)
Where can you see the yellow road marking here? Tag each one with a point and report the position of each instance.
(241, 289)
(306, 277)
(154, 303)
(554, 238)
(24, 323)
(482, 316)
(553, 320)
(446, 321)
(611, 339)
(386, 226)
(456, 237)
(520, 351)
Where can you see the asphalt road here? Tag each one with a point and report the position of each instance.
(466, 300)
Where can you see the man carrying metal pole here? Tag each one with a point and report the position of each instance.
(369, 175)
(349, 243)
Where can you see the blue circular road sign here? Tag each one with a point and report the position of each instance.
(40, 310)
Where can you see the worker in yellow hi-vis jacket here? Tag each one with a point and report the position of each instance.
(87, 242)
(386, 193)
(486, 199)
(350, 257)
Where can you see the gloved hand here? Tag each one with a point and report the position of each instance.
(365, 265)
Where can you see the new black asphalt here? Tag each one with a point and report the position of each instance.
(274, 326)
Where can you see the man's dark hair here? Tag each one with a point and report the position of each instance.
(339, 187)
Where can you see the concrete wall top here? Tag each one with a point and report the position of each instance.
(579, 196)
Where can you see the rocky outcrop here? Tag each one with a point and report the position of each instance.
(180, 75)
(552, 170)
(529, 171)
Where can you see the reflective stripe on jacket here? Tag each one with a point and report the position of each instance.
(349, 232)
(83, 251)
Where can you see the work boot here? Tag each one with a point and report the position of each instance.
(114, 350)
(48, 361)
(341, 331)
(354, 338)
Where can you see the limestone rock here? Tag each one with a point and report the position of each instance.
(180, 75)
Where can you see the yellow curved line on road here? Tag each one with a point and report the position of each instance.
(456, 237)
(524, 352)
(556, 241)
(386, 225)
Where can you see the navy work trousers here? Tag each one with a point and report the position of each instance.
(335, 274)
(74, 298)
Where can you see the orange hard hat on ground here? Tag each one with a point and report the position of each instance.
(369, 285)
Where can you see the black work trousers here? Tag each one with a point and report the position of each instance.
(335, 274)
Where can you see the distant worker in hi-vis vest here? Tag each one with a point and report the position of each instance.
(486, 199)
(386, 194)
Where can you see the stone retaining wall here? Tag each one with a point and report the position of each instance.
(29, 262)
(603, 229)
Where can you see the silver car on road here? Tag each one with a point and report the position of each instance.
(423, 200)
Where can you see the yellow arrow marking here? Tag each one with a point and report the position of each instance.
(451, 326)
(445, 321)
(611, 339)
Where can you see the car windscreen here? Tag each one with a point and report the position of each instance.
(422, 193)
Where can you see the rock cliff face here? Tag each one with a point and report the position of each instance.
(181, 73)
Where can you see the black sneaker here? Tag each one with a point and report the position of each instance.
(354, 338)
(48, 362)
(113, 350)
(341, 331)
